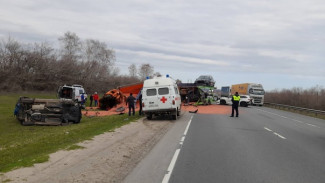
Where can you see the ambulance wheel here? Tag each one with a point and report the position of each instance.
(174, 115)
(178, 112)
(149, 116)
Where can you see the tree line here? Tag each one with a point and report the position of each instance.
(313, 98)
(41, 67)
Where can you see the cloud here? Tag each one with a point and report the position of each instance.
(176, 58)
(265, 37)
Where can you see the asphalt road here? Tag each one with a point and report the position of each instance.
(154, 166)
(262, 145)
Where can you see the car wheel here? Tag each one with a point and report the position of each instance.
(222, 102)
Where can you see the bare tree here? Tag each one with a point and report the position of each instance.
(98, 63)
(70, 45)
(133, 70)
(145, 70)
(157, 74)
(98, 51)
(309, 98)
(40, 67)
(12, 63)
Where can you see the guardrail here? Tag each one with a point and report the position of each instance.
(296, 108)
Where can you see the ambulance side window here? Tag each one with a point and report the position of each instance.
(176, 90)
(163, 91)
(151, 92)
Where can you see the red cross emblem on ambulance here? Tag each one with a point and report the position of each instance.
(163, 99)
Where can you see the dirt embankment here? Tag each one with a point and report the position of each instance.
(107, 158)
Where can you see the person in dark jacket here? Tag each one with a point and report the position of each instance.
(140, 103)
(235, 102)
(130, 102)
(91, 98)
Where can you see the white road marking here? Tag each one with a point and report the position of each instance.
(282, 137)
(279, 135)
(267, 129)
(174, 159)
(312, 125)
(290, 118)
(188, 125)
(171, 167)
(183, 138)
(297, 121)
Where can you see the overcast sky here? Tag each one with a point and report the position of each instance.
(278, 43)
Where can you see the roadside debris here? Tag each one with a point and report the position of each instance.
(193, 111)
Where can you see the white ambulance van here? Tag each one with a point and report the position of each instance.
(160, 95)
(72, 92)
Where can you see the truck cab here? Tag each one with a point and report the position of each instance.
(256, 92)
(160, 95)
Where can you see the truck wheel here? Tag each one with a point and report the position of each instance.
(222, 102)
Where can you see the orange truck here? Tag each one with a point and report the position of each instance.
(255, 91)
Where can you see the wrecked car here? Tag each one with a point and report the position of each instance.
(34, 111)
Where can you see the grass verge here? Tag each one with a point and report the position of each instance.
(23, 146)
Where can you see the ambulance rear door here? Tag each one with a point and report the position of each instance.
(165, 98)
(150, 99)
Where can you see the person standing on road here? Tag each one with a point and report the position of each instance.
(235, 102)
(130, 102)
(96, 99)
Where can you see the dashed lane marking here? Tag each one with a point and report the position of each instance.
(312, 125)
(174, 159)
(282, 137)
(267, 129)
(290, 118)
